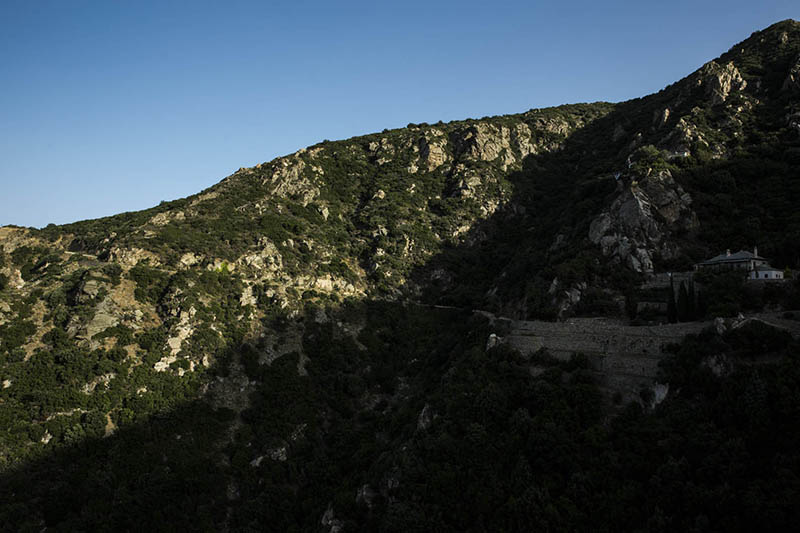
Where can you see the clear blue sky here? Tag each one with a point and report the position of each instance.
(110, 106)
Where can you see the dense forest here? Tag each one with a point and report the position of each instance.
(452, 437)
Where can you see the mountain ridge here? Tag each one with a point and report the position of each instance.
(273, 320)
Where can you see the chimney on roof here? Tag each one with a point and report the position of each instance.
(728, 252)
(755, 251)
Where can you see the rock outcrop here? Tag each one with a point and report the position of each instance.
(266, 257)
(640, 220)
(433, 150)
(719, 81)
(484, 142)
(289, 179)
(130, 257)
(792, 82)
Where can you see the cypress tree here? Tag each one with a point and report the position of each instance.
(672, 313)
(631, 304)
(702, 306)
(683, 303)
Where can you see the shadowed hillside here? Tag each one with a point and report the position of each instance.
(266, 355)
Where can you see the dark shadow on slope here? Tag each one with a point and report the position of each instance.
(305, 440)
(146, 476)
(160, 474)
(414, 425)
(508, 262)
(502, 446)
(542, 232)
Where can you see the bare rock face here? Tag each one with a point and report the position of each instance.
(566, 300)
(661, 117)
(432, 150)
(641, 218)
(106, 316)
(266, 257)
(481, 141)
(669, 200)
(182, 331)
(366, 495)
(85, 291)
(330, 521)
(15, 279)
(521, 137)
(683, 137)
(484, 142)
(190, 259)
(12, 238)
(382, 150)
(554, 125)
(468, 184)
(129, 257)
(289, 180)
(425, 418)
(792, 82)
(247, 297)
(720, 80)
(162, 219)
(793, 122)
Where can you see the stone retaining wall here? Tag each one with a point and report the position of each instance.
(662, 279)
(624, 358)
(597, 337)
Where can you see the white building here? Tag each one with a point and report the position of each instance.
(757, 267)
(765, 272)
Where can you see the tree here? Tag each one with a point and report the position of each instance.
(702, 306)
(672, 312)
(725, 293)
(683, 303)
(631, 304)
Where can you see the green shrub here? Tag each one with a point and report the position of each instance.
(150, 283)
(123, 334)
(114, 272)
(152, 339)
(15, 334)
(648, 158)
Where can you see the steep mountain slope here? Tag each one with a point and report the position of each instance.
(257, 353)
